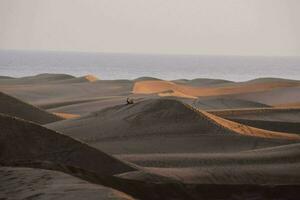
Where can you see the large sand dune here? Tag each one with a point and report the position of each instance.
(161, 126)
(29, 142)
(15, 107)
(62, 94)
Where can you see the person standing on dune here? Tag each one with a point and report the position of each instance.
(129, 101)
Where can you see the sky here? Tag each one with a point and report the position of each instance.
(205, 27)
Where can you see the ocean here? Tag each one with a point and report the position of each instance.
(130, 66)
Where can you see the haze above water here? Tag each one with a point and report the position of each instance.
(130, 66)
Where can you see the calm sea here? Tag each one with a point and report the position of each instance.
(130, 66)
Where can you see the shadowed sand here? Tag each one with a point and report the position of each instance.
(165, 124)
(291, 114)
(15, 107)
(163, 146)
(28, 183)
(43, 148)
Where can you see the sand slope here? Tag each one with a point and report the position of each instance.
(276, 96)
(284, 154)
(28, 183)
(289, 127)
(37, 79)
(225, 103)
(148, 87)
(167, 126)
(15, 107)
(62, 94)
(199, 82)
(267, 114)
(22, 141)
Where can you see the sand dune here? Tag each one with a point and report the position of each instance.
(165, 124)
(200, 82)
(163, 148)
(37, 79)
(66, 115)
(273, 155)
(145, 78)
(91, 78)
(251, 167)
(250, 131)
(288, 95)
(225, 103)
(15, 107)
(148, 87)
(28, 141)
(30, 145)
(28, 183)
(278, 126)
(291, 114)
(55, 95)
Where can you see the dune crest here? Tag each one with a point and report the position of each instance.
(174, 93)
(158, 86)
(250, 131)
(66, 115)
(91, 78)
(12, 106)
(30, 142)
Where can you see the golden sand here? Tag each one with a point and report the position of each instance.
(66, 115)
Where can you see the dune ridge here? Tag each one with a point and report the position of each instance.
(160, 125)
(149, 87)
(42, 144)
(12, 106)
(66, 115)
(250, 131)
(91, 78)
(34, 183)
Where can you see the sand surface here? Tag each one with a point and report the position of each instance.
(66, 137)
(28, 183)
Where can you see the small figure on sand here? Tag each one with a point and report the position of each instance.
(129, 101)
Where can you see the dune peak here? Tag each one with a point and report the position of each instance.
(91, 78)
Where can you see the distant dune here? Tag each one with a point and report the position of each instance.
(15, 107)
(37, 79)
(200, 82)
(148, 87)
(91, 78)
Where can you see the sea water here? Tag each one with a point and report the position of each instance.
(131, 66)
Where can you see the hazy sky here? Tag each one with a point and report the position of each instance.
(233, 27)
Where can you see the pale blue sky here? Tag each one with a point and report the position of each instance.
(226, 27)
